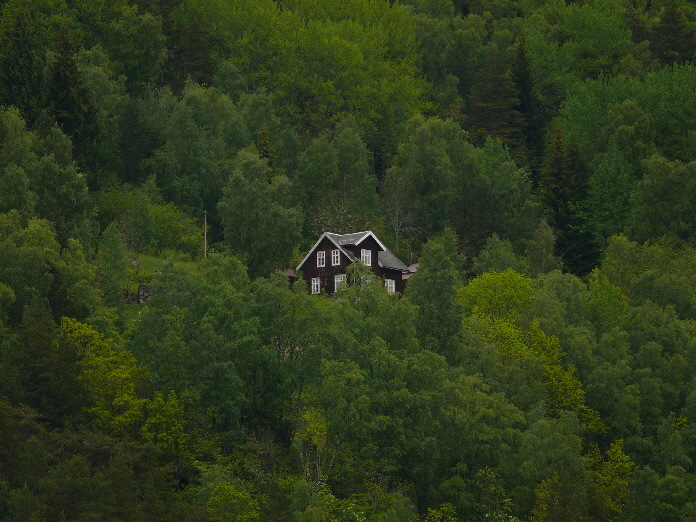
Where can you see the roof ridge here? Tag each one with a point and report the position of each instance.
(336, 239)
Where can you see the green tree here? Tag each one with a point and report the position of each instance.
(41, 365)
(136, 45)
(112, 267)
(661, 199)
(39, 167)
(75, 294)
(206, 312)
(193, 47)
(495, 297)
(68, 98)
(609, 190)
(25, 38)
(490, 195)
(111, 378)
(564, 389)
(229, 503)
(165, 424)
(568, 43)
(610, 480)
(493, 107)
(29, 254)
(497, 256)
(673, 38)
(433, 289)
(550, 457)
(426, 168)
(103, 153)
(356, 186)
(260, 225)
(540, 250)
(338, 188)
(529, 106)
(60, 186)
(607, 305)
(451, 48)
(316, 172)
(563, 187)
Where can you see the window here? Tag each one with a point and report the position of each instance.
(339, 282)
(335, 257)
(321, 258)
(366, 257)
(316, 285)
(391, 286)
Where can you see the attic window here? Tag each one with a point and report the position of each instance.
(321, 258)
(366, 257)
(335, 257)
(316, 285)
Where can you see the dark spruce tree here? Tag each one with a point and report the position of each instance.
(673, 38)
(21, 65)
(192, 52)
(494, 107)
(68, 99)
(563, 184)
(529, 107)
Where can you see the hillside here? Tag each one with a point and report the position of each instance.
(538, 160)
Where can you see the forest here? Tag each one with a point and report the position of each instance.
(537, 158)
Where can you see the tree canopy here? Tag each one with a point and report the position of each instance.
(536, 160)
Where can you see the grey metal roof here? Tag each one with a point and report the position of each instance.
(385, 258)
(336, 238)
(354, 238)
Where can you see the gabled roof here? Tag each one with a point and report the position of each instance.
(334, 238)
(354, 238)
(385, 258)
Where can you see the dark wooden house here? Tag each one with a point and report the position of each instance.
(324, 267)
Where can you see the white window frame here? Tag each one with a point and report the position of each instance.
(390, 285)
(366, 256)
(321, 258)
(316, 285)
(335, 257)
(339, 282)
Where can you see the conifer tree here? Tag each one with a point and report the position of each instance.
(494, 106)
(21, 65)
(528, 105)
(673, 39)
(192, 52)
(563, 183)
(264, 146)
(68, 99)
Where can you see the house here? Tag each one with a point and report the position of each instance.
(324, 267)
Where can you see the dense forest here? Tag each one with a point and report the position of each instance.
(536, 157)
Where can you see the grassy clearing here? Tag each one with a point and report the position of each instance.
(144, 267)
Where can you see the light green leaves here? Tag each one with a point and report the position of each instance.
(111, 378)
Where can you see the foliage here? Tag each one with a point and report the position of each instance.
(494, 141)
(255, 204)
(110, 377)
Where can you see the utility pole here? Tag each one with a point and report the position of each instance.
(205, 234)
